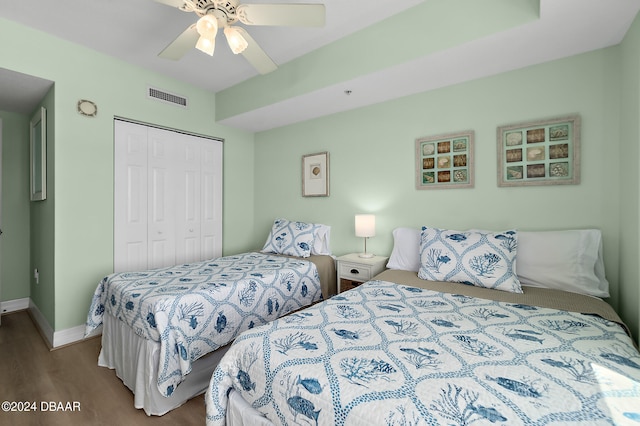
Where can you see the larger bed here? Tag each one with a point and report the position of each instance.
(164, 330)
(401, 350)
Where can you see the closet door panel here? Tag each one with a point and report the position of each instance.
(188, 215)
(211, 196)
(130, 202)
(161, 222)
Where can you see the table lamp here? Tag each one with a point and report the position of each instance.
(365, 227)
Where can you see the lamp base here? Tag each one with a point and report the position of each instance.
(366, 255)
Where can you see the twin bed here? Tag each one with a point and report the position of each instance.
(164, 330)
(455, 332)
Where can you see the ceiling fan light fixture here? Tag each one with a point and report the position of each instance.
(222, 14)
(207, 26)
(206, 45)
(236, 41)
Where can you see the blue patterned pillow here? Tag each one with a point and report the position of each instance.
(290, 238)
(479, 258)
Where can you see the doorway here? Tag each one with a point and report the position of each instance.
(19, 94)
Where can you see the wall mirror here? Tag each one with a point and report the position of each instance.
(38, 137)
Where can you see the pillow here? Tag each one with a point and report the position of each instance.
(321, 240)
(569, 260)
(290, 238)
(406, 250)
(483, 259)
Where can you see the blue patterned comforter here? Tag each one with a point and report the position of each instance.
(390, 354)
(196, 308)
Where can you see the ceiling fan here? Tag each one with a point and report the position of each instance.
(216, 14)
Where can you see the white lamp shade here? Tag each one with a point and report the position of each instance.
(236, 41)
(206, 45)
(365, 225)
(207, 26)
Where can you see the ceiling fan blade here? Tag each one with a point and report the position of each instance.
(181, 45)
(256, 56)
(173, 3)
(286, 15)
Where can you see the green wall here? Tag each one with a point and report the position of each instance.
(372, 160)
(42, 224)
(629, 89)
(79, 211)
(14, 242)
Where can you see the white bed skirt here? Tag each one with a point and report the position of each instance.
(241, 413)
(135, 361)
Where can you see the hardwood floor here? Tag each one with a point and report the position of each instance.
(30, 372)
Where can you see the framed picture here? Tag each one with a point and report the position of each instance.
(543, 152)
(315, 175)
(38, 150)
(445, 161)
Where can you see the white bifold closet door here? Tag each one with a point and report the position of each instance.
(167, 197)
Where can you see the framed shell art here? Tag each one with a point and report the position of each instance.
(315, 175)
(543, 152)
(445, 161)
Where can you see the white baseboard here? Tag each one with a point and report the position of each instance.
(14, 305)
(56, 339)
(53, 338)
(41, 322)
(67, 336)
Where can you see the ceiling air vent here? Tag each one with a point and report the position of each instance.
(170, 98)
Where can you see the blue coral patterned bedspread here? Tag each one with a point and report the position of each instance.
(390, 354)
(195, 308)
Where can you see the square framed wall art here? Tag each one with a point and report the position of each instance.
(543, 152)
(445, 161)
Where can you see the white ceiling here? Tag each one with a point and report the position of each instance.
(21, 93)
(137, 30)
(565, 28)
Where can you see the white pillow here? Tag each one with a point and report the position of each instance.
(406, 250)
(569, 260)
(483, 259)
(290, 238)
(321, 240)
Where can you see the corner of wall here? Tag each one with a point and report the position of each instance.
(56, 339)
(45, 329)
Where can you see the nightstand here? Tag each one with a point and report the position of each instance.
(353, 270)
